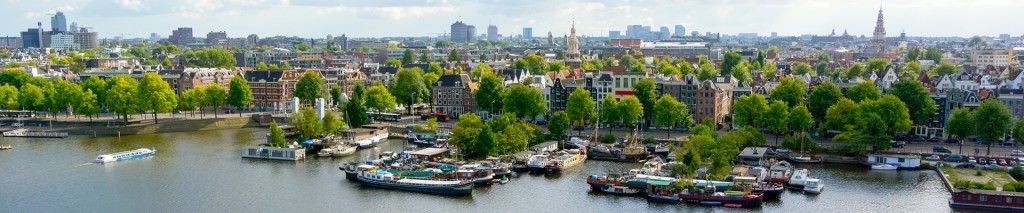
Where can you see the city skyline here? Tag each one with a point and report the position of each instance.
(318, 18)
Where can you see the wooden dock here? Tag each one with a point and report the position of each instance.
(6, 147)
(34, 134)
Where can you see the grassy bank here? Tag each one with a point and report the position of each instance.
(996, 178)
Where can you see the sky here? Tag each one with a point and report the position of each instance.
(383, 18)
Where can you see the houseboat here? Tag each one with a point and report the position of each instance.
(987, 200)
(565, 160)
(900, 161)
(632, 152)
(371, 176)
(814, 186)
(537, 162)
(711, 197)
(780, 172)
(274, 153)
(799, 178)
(126, 155)
(479, 176)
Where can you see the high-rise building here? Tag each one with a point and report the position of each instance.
(58, 22)
(461, 32)
(680, 30)
(878, 40)
(9, 42)
(182, 36)
(74, 27)
(63, 41)
(527, 33)
(492, 33)
(216, 38)
(775, 34)
(635, 31)
(695, 33)
(341, 41)
(31, 38)
(154, 37)
(665, 33)
(253, 39)
(614, 34)
(86, 39)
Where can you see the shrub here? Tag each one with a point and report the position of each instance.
(650, 140)
(608, 138)
(1009, 187)
(978, 173)
(1017, 173)
(794, 143)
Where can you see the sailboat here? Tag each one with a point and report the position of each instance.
(802, 158)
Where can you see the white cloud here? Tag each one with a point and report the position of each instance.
(135, 5)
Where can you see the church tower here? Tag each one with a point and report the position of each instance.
(573, 49)
(878, 41)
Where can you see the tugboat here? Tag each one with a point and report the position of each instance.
(566, 160)
(371, 176)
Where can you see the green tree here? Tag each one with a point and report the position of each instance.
(917, 98)
(480, 70)
(800, 120)
(409, 87)
(393, 63)
(454, 56)
(31, 97)
(465, 131)
(483, 146)
(535, 64)
(273, 66)
(731, 60)
(302, 47)
(961, 124)
(933, 53)
(668, 112)
(992, 120)
(89, 104)
(98, 87)
(822, 97)
(855, 70)
(776, 118)
(330, 123)
(212, 57)
(842, 115)
(741, 72)
(355, 112)
(891, 110)
(863, 91)
(17, 77)
(945, 68)
(435, 68)
(558, 124)
(443, 44)
(239, 94)
(822, 69)
(877, 64)
(790, 90)
(706, 70)
(167, 62)
(310, 87)
(121, 95)
(336, 95)
(912, 68)
(9, 97)
(627, 61)
(215, 97)
(306, 123)
(488, 96)
(192, 98)
(286, 65)
(1018, 130)
(631, 110)
(424, 57)
(643, 89)
(523, 101)
(914, 54)
(685, 68)
(379, 99)
(609, 111)
(801, 68)
(580, 106)
(555, 66)
(408, 57)
(155, 95)
(276, 135)
(750, 110)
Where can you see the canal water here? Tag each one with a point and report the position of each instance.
(203, 172)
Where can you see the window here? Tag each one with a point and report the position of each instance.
(982, 198)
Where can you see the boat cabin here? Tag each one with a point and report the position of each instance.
(547, 146)
(902, 161)
(430, 154)
(274, 153)
(753, 156)
(988, 199)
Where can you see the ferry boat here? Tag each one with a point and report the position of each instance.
(780, 172)
(567, 159)
(126, 155)
(371, 176)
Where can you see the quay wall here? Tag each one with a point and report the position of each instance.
(174, 126)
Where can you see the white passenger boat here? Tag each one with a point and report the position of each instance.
(883, 166)
(799, 178)
(814, 186)
(120, 156)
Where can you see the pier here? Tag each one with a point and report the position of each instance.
(6, 147)
(34, 134)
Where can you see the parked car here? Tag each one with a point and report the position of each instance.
(1016, 153)
(1001, 162)
(971, 159)
(982, 161)
(1008, 143)
(954, 158)
(934, 139)
(918, 138)
(952, 140)
(965, 165)
(932, 158)
(941, 149)
(17, 125)
(897, 144)
(992, 162)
